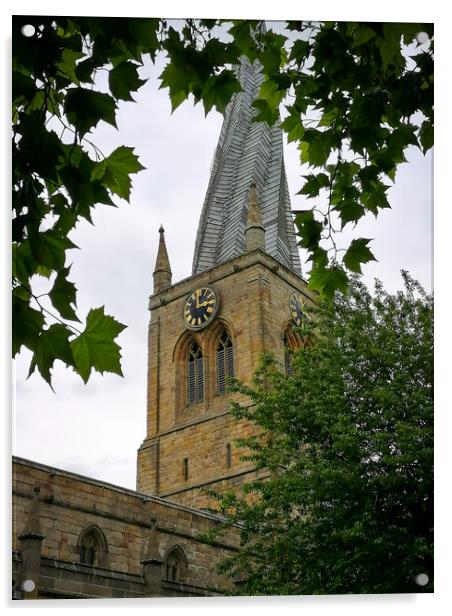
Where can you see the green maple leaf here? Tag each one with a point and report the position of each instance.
(293, 125)
(320, 146)
(349, 211)
(313, 185)
(63, 295)
(272, 57)
(300, 51)
(85, 108)
(68, 64)
(23, 86)
(83, 71)
(358, 253)
(144, 32)
(95, 347)
(23, 263)
(219, 90)
(375, 199)
(52, 344)
(177, 80)
(114, 171)
(49, 248)
(328, 280)
(362, 35)
(27, 323)
(309, 229)
(123, 80)
(426, 136)
(267, 104)
(265, 113)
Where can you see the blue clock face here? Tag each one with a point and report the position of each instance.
(200, 307)
(295, 307)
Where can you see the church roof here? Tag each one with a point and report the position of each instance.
(246, 153)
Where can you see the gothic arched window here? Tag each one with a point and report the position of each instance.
(292, 341)
(176, 564)
(195, 375)
(92, 547)
(225, 361)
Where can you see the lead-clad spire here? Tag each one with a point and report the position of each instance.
(246, 153)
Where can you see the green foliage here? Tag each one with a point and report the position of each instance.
(310, 228)
(63, 295)
(357, 253)
(115, 170)
(85, 108)
(95, 347)
(59, 176)
(123, 79)
(52, 344)
(347, 440)
(357, 95)
(352, 114)
(192, 69)
(326, 280)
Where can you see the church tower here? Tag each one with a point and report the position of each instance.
(244, 295)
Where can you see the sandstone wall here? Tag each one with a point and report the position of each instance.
(69, 504)
(254, 291)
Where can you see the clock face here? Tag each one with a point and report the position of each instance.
(295, 307)
(200, 307)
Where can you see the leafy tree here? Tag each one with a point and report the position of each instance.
(356, 96)
(352, 113)
(348, 440)
(59, 175)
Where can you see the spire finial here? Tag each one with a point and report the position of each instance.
(162, 270)
(255, 230)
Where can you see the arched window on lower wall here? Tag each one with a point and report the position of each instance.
(195, 375)
(92, 547)
(176, 566)
(225, 361)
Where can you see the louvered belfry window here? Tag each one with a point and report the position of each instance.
(225, 361)
(195, 375)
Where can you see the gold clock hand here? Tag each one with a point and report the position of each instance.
(206, 303)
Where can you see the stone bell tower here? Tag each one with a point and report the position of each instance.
(244, 295)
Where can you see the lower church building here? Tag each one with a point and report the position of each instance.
(77, 537)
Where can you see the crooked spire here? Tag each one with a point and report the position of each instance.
(162, 270)
(246, 152)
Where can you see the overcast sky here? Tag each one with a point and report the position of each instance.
(96, 429)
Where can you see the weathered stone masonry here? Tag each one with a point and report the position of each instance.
(140, 532)
(77, 537)
(254, 289)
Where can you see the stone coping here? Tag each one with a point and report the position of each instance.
(103, 484)
(90, 570)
